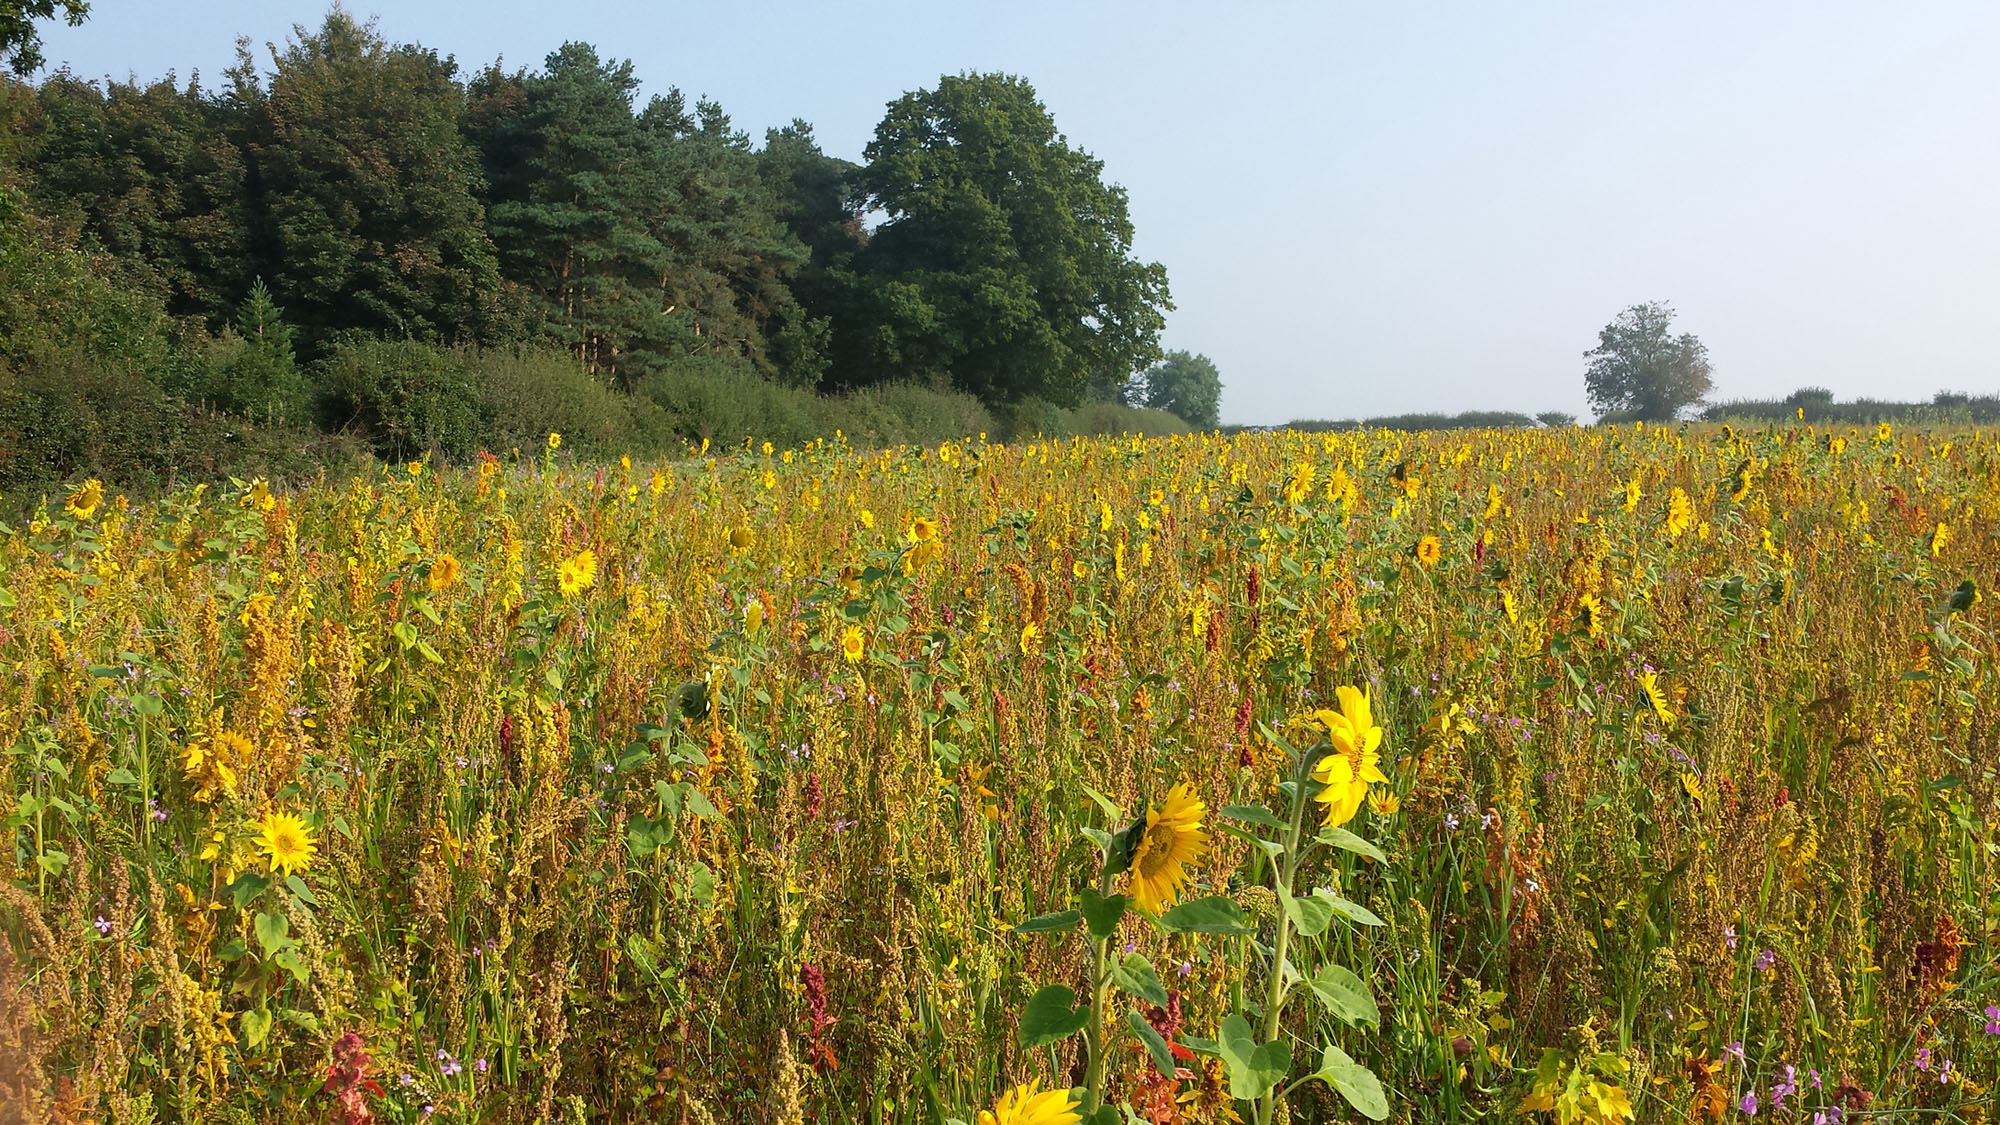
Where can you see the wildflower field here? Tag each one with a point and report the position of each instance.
(1581, 775)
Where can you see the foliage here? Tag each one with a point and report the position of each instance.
(1183, 384)
(1005, 259)
(1817, 405)
(21, 40)
(407, 399)
(1638, 371)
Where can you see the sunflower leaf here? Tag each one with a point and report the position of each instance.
(1135, 975)
(1110, 807)
(1253, 1068)
(1253, 814)
(1103, 912)
(1352, 911)
(1311, 915)
(1348, 842)
(1060, 922)
(1355, 1082)
(1346, 995)
(1150, 1038)
(1051, 1016)
(1212, 915)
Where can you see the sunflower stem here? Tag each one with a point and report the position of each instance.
(1094, 1036)
(1274, 995)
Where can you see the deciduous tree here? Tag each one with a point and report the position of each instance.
(1639, 370)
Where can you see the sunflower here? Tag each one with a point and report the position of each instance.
(1031, 638)
(83, 503)
(1592, 616)
(1680, 514)
(444, 574)
(1345, 774)
(742, 539)
(577, 574)
(555, 441)
(1649, 686)
(753, 617)
(924, 529)
(853, 644)
(1173, 838)
(1429, 550)
(285, 841)
(1029, 1104)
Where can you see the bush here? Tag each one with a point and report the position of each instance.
(408, 399)
(906, 414)
(1109, 419)
(529, 393)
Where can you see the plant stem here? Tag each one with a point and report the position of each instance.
(1274, 995)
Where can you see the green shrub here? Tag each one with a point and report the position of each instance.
(906, 414)
(1109, 419)
(530, 393)
(406, 399)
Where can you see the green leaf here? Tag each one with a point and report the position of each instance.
(1135, 975)
(1355, 1082)
(1212, 915)
(299, 888)
(1347, 841)
(256, 1027)
(1110, 807)
(1060, 922)
(273, 932)
(121, 776)
(288, 959)
(1352, 911)
(247, 887)
(1270, 848)
(1156, 1046)
(1253, 1069)
(1254, 814)
(1311, 914)
(1102, 912)
(1051, 1016)
(1346, 996)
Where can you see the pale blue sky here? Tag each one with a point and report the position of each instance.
(1384, 207)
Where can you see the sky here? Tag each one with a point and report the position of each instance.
(1370, 208)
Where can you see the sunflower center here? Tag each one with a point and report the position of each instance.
(1156, 850)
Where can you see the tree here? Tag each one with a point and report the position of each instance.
(370, 192)
(1639, 371)
(1185, 385)
(21, 40)
(1005, 259)
(1556, 419)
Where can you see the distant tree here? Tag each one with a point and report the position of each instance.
(370, 193)
(1639, 371)
(1555, 419)
(1005, 259)
(21, 40)
(1185, 385)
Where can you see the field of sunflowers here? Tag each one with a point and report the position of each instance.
(1583, 775)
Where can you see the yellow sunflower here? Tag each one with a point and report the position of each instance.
(1649, 686)
(1029, 1104)
(285, 842)
(742, 539)
(1593, 615)
(444, 574)
(555, 441)
(1429, 550)
(1172, 839)
(577, 574)
(1345, 774)
(84, 502)
(923, 530)
(853, 644)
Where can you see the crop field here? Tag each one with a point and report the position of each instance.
(1581, 775)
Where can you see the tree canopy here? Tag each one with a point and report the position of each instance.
(1639, 370)
(1183, 384)
(21, 40)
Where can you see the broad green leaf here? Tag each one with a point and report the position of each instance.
(1347, 841)
(1311, 914)
(1253, 1068)
(1355, 1082)
(1135, 975)
(1059, 922)
(1254, 814)
(272, 932)
(256, 1027)
(1346, 995)
(1110, 807)
(1051, 1016)
(1212, 915)
(1352, 911)
(1102, 912)
(299, 888)
(288, 959)
(1156, 1046)
(1270, 848)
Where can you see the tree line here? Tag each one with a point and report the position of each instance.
(354, 194)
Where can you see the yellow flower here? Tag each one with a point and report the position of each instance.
(1429, 550)
(753, 617)
(259, 496)
(742, 539)
(286, 842)
(212, 766)
(1593, 615)
(577, 573)
(1031, 638)
(1632, 494)
(84, 502)
(1384, 802)
(1680, 514)
(923, 530)
(1345, 774)
(555, 440)
(416, 469)
(1030, 1105)
(1940, 539)
(867, 520)
(1649, 686)
(853, 644)
(658, 483)
(444, 574)
(1172, 839)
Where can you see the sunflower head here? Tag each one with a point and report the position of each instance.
(853, 644)
(1029, 1104)
(1354, 762)
(1172, 839)
(924, 529)
(444, 574)
(577, 574)
(742, 539)
(285, 842)
(84, 502)
(1429, 550)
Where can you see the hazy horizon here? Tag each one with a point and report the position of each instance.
(1370, 211)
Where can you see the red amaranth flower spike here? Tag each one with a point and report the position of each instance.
(348, 1081)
